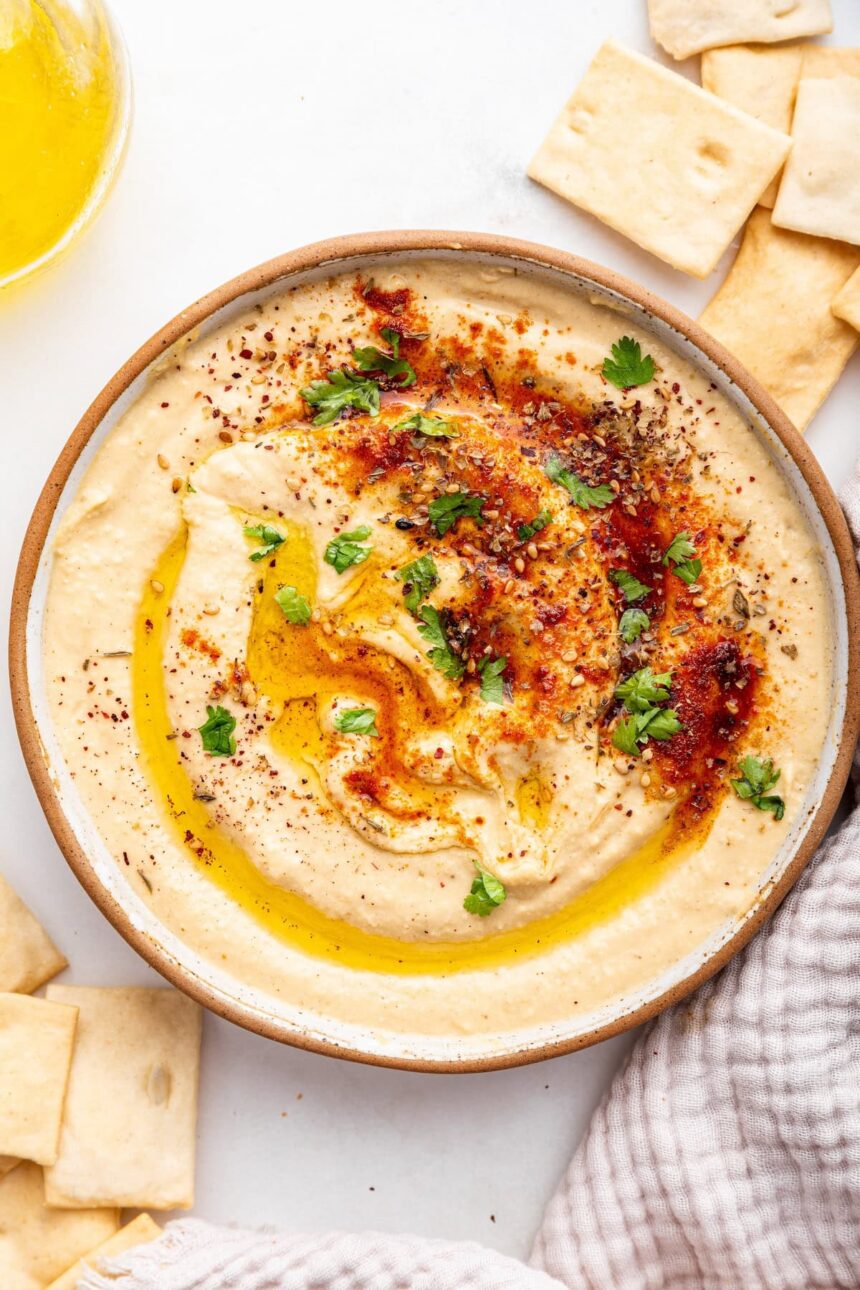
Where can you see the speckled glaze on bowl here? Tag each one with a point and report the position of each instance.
(102, 877)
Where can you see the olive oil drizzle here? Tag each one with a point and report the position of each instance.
(287, 916)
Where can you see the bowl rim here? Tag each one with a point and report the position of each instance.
(330, 252)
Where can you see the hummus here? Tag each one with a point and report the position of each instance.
(425, 643)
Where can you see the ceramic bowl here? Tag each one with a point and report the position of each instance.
(104, 879)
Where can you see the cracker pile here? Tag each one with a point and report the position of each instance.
(98, 1110)
(681, 170)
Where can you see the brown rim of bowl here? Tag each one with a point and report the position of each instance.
(314, 256)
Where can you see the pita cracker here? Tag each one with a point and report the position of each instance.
(820, 188)
(28, 956)
(695, 172)
(846, 303)
(759, 79)
(36, 1039)
(7, 1163)
(38, 1243)
(773, 313)
(131, 1108)
(685, 27)
(829, 60)
(137, 1232)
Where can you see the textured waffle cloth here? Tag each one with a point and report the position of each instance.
(726, 1155)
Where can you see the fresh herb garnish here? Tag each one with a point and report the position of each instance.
(492, 684)
(356, 721)
(294, 606)
(486, 895)
(759, 777)
(270, 538)
(433, 427)
(344, 551)
(641, 693)
(584, 495)
(540, 521)
(630, 585)
(682, 554)
(637, 729)
(627, 367)
(643, 689)
(217, 732)
(341, 389)
(632, 624)
(446, 510)
(419, 577)
(442, 656)
(371, 359)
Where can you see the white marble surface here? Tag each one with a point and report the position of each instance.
(258, 128)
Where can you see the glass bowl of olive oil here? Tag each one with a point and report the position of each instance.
(65, 98)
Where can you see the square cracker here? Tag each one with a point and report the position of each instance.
(137, 1232)
(773, 312)
(131, 1110)
(36, 1039)
(759, 79)
(685, 27)
(762, 80)
(820, 188)
(829, 60)
(846, 303)
(660, 160)
(28, 956)
(38, 1243)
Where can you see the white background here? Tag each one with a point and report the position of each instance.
(259, 127)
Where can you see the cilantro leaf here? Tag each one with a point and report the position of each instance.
(632, 624)
(217, 732)
(294, 606)
(371, 359)
(644, 689)
(682, 555)
(584, 495)
(270, 538)
(340, 390)
(344, 551)
(641, 693)
(442, 656)
(679, 549)
(632, 588)
(492, 684)
(661, 724)
(625, 736)
(540, 521)
(419, 579)
(773, 804)
(446, 510)
(356, 721)
(486, 895)
(433, 427)
(635, 730)
(627, 367)
(758, 777)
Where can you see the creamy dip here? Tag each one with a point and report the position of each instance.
(428, 663)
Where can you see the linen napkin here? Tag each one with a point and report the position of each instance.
(725, 1156)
